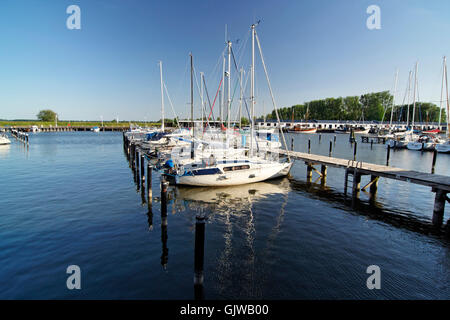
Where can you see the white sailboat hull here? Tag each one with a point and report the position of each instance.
(4, 140)
(443, 147)
(420, 146)
(256, 173)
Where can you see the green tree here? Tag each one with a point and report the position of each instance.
(46, 115)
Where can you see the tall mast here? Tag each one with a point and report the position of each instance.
(414, 99)
(409, 98)
(222, 92)
(252, 90)
(201, 96)
(448, 104)
(240, 99)
(393, 100)
(162, 96)
(229, 86)
(442, 92)
(192, 94)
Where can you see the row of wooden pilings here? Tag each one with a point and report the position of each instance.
(136, 159)
(440, 195)
(21, 136)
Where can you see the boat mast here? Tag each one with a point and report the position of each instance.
(240, 99)
(252, 89)
(229, 86)
(442, 92)
(409, 97)
(201, 96)
(192, 94)
(222, 92)
(162, 96)
(414, 99)
(393, 100)
(448, 104)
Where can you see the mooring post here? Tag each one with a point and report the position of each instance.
(309, 145)
(164, 237)
(331, 149)
(388, 154)
(138, 178)
(334, 139)
(142, 170)
(320, 137)
(371, 144)
(292, 144)
(439, 206)
(164, 186)
(354, 150)
(356, 183)
(434, 160)
(199, 254)
(192, 149)
(149, 184)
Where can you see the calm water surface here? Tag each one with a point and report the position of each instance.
(71, 199)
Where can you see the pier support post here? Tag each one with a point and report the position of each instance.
(388, 155)
(374, 185)
(323, 171)
(434, 160)
(132, 155)
(346, 182)
(199, 255)
(439, 206)
(356, 183)
(331, 149)
(309, 170)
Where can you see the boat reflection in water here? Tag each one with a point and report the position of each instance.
(232, 210)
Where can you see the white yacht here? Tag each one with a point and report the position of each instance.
(4, 139)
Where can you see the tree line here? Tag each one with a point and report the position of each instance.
(369, 106)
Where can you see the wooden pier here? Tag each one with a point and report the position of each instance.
(439, 184)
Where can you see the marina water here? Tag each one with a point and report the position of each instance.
(70, 199)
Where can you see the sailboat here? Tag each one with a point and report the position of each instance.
(444, 147)
(212, 171)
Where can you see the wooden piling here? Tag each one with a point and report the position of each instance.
(320, 137)
(142, 170)
(331, 149)
(388, 155)
(439, 207)
(374, 185)
(199, 254)
(434, 160)
(138, 178)
(309, 145)
(323, 171)
(354, 150)
(292, 144)
(149, 184)
(164, 187)
(309, 170)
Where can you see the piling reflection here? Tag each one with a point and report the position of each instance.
(234, 207)
(372, 209)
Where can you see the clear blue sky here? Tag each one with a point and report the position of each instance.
(314, 49)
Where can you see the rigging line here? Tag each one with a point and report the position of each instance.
(171, 105)
(216, 68)
(403, 102)
(236, 67)
(271, 94)
(198, 88)
(220, 84)
(209, 102)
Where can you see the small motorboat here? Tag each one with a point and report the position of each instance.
(4, 139)
(95, 129)
(361, 130)
(302, 129)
